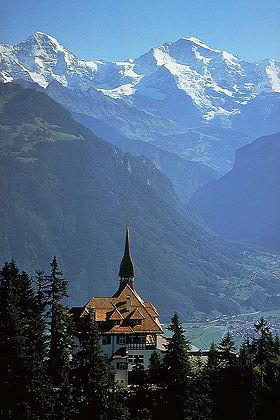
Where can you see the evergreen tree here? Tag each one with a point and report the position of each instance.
(213, 359)
(43, 293)
(118, 404)
(211, 379)
(263, 347)
(23, 383)
(224, 381)
(246, 379)
(227, 349)
(177, 371)
(140, 400)
(92, 376)
(176, 357)
(138, 375)
(61, 341)
(155, 369)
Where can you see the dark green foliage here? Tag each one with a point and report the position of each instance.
(213, 359)
(118, 404)
(61, 343)
(176, 358)
(177, 370)
(23, 381)
(243, 386)
(140, 400)
(263, 348)
(227, 349)
(93, 380)
(43, 294)
(156, 370)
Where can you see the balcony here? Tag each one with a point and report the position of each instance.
(142, 343)
(136, 346)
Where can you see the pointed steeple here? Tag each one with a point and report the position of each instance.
(126, 267)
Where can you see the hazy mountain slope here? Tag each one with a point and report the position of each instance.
(213, 147)
(69, 193)
(245, 203)
(186, 176)
(260, 116)
(169, 96)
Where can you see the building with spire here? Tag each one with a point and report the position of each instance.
(130, 327)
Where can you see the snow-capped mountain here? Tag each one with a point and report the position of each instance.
(173, 96)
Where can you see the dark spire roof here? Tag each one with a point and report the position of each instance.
(126, 266)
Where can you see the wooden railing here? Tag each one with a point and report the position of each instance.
(140, 346)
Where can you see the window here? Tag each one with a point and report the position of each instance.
(121, 339)
(136, 339)
(106, 339)
(121, 366)
(136, 358)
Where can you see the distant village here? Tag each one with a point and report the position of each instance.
(239, 326)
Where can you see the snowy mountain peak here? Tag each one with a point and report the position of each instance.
(43, 41)
(216, 83)
(198, 42)
(43, 36)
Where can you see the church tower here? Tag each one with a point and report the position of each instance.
(126, 271)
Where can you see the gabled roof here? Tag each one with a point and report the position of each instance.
(124, 306)
(115, 315)
(136, 314)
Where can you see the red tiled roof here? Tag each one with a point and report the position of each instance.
(124, 306)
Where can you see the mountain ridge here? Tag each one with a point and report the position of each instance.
(179, 86)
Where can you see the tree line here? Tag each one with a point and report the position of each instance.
(46, 373)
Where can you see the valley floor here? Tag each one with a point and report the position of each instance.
(202, 334)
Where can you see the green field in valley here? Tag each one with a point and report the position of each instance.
(202, 335)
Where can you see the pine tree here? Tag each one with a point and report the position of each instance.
(60, 337)
(246, 379)
(213, 360)
(224, 380)
(176, 357)
(61, 341)
(24, 383)
(227, 349)
(155, 370)
(262, 347)
(93, 377)
(43, 293)
(177, 370)
(141, 400)
(265, 352)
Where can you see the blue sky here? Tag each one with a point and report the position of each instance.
(118, 29)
